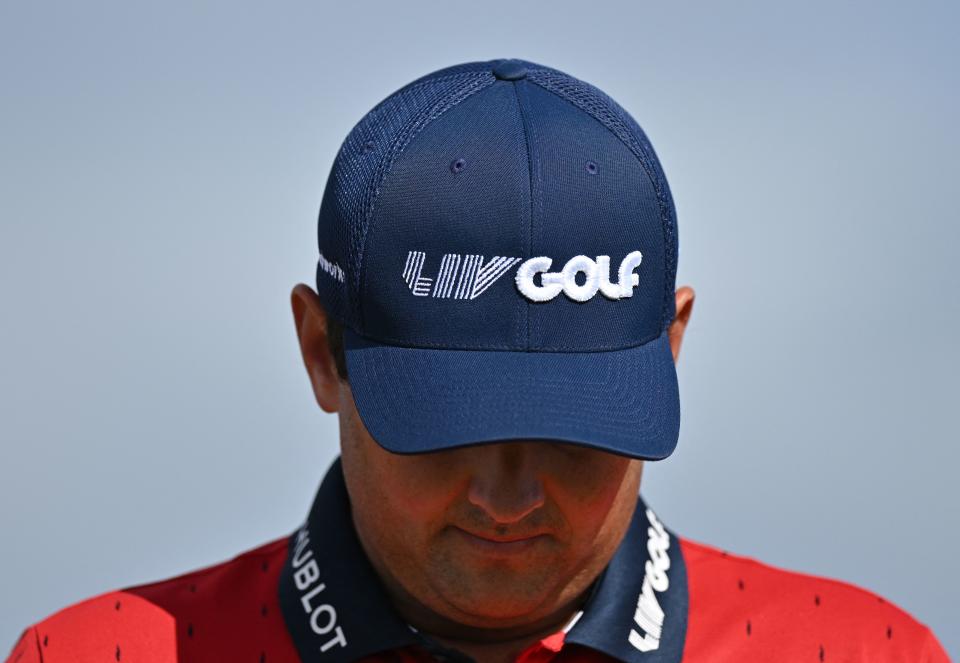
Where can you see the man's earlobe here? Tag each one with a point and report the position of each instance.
(685, 296)
(311, 322)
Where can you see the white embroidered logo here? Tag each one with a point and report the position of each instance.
(331, 268)
(649, 615)
(468, 276)
(460, 277)
(306, 576)
(597, 275)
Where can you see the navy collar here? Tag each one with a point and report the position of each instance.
(638, 611)
(337, 610)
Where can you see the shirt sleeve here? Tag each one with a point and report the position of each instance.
(933, 651)
(27, 649)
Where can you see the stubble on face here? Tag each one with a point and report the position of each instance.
(446, 561)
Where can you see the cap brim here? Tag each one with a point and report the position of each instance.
(415, 400)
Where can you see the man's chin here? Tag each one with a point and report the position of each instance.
(499, 588)
(492, 600)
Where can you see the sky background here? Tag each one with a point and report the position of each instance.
(161, 168)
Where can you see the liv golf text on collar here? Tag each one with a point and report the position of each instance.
(323, 616)
(468, 276)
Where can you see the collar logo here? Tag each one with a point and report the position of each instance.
(649, 616)
(306, 577)
(467, 276)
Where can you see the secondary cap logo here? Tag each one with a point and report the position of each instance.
(468, 276)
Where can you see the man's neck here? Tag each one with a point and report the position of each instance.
(489, 647)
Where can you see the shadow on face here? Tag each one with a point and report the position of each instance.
(494, 535)
(491, 535)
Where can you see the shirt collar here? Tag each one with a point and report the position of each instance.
(337, 610)
(638, 609)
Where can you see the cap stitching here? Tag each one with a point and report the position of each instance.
(639, 151)
(407, 133)
(426, 345)
(413, 86)
(526, 140)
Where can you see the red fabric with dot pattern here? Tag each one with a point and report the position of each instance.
(111, 627)
(27, 649)
(228, 612)
(743, 610)
(740, 610)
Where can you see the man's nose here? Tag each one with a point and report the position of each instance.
(504, 481)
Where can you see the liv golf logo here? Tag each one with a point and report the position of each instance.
(460, 277)
(468, 276)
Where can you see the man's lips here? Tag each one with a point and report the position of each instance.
(501, 544)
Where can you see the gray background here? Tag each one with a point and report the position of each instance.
(160, 174)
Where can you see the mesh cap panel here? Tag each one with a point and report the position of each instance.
(364, 159)
(609, 113)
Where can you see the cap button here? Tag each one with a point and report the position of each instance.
(510, 70)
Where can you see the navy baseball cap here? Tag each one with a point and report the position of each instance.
(499, 243)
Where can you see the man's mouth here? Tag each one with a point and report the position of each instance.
(501, 544)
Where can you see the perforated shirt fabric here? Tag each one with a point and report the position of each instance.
(264, 606)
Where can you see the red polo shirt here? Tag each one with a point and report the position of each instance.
(313, 598)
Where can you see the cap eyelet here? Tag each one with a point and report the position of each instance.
(368, 146)
(592, 167)
(458, 165)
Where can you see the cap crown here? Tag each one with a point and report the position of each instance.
(443, 193)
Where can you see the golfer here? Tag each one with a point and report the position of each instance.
(496, 324)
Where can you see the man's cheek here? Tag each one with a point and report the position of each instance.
(419, 490)
(587, 498)
(598, 485)
(412, 504)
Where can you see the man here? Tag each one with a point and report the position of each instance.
(496, 325)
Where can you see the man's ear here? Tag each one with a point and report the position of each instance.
(675, 331)
(311, 322)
